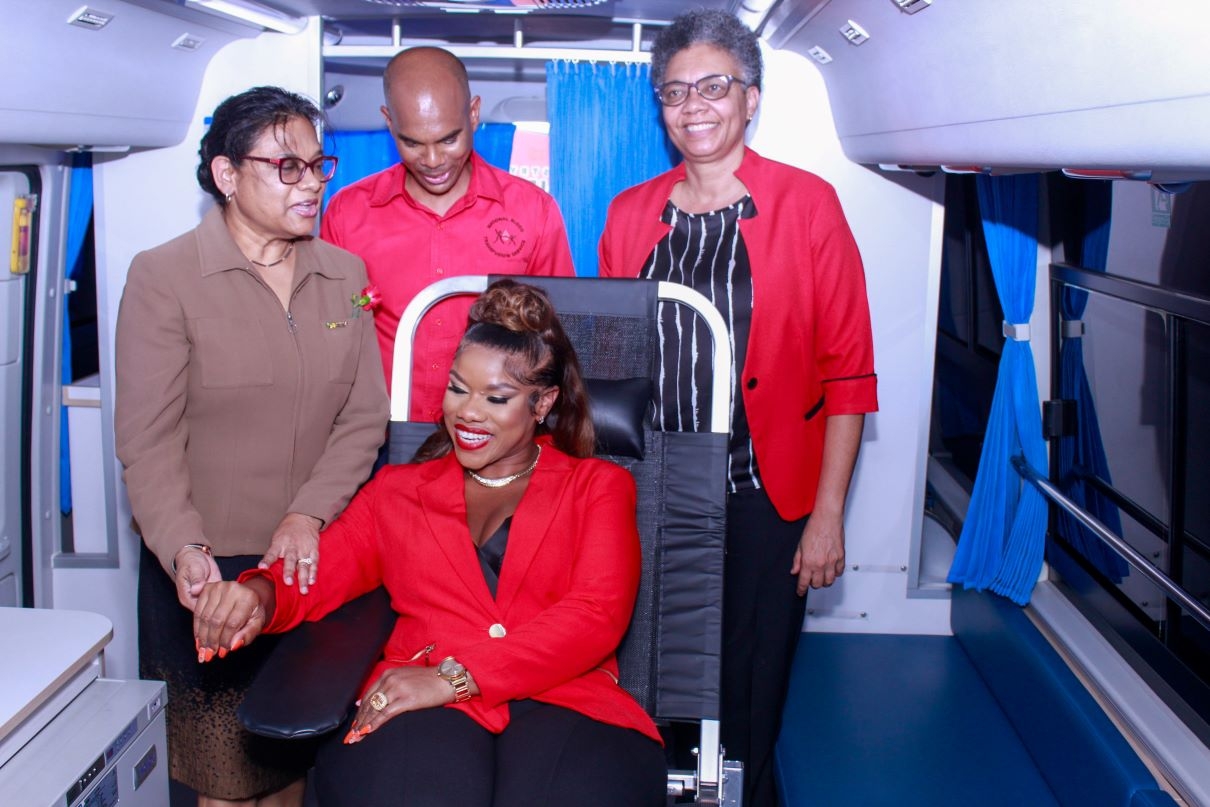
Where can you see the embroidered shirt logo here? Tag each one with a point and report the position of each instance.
(505, 237)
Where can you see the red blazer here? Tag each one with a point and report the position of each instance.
(810, 350)
(564, 598)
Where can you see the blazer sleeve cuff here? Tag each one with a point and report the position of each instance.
(854, 395)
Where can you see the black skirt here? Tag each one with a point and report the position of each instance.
(208, 748)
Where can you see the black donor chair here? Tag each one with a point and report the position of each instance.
(669, 659)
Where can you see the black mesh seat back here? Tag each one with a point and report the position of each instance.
(669, 659)
(670, 656)
(611, 323)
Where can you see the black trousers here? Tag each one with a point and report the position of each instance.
(547, 757)
(762, 620)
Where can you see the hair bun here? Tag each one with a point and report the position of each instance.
(519, 307)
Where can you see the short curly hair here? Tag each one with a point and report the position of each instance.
(239, 121)
(709, 27)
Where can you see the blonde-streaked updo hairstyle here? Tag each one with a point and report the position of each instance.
(519, 320)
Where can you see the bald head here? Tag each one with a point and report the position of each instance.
(424, 70)
(432, 117)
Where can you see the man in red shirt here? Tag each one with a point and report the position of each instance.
(442, 212)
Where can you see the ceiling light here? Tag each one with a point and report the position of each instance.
(1112, 173)
(251, 13)
(912, 6)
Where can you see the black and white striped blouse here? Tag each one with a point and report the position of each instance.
(706, 252)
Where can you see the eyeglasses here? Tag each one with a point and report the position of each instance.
(712, 88)
(290, 170)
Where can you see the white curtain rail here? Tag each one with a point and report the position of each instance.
(488, 52)
(518, 50)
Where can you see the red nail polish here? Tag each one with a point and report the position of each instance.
(222, 652)
(237, 644)
(350, 738)
(201, 656)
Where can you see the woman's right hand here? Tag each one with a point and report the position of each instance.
(228, 616)
(194, 569)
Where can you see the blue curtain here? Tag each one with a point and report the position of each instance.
(1003, 537)
(605, 135)
(1083, 454)
(360, 154)
(365, 153)
(79, 220)
(494, 142)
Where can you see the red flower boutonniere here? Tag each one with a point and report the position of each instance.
(368, 299)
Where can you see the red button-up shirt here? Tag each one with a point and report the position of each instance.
(502, 225)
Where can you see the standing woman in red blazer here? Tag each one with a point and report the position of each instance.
(512, 561)
(769, 245)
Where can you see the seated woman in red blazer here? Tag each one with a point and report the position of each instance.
(498, 685)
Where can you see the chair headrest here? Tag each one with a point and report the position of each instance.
(619, 409)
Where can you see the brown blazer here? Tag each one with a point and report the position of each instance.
(232, 412)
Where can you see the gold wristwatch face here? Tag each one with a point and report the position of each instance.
(450, 669)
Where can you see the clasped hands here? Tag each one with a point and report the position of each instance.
(295, 542)
(230, 615)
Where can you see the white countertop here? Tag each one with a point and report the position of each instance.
(42, 651)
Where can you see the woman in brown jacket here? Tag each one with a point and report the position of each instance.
(250, 407)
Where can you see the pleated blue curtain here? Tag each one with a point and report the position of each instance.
(1083, 454)
(360, 153)
(605, 135)
(494, 142)
(1003, 538)
(79, 220)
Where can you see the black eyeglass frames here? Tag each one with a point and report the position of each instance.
(712, 88)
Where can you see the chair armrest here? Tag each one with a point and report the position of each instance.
(314, 673)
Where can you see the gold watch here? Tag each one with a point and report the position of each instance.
(454, 673)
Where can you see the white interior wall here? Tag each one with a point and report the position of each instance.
(144, 199)
(898, 229)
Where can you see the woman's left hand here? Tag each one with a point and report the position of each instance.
(819, 559)
(406, 689)
(296, 542)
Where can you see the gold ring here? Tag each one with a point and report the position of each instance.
(379, 701)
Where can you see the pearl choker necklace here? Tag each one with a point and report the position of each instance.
(284, 255)
(505, 480)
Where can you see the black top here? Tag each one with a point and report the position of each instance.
(706, 252)
(491, 555)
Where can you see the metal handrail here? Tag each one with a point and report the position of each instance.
(1186, 600)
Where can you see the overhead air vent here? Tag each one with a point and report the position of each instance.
(912, 6)
(819, 54)
(90, 18)
(188, 42)
(853, 32)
